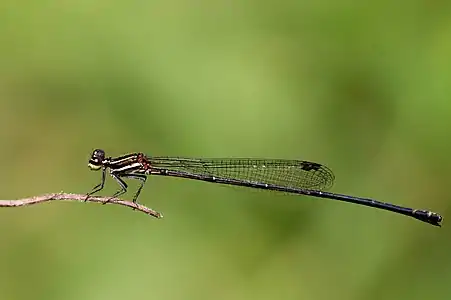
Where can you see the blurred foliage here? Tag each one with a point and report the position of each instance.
(363, 87)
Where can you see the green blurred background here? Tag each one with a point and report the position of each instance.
(364, 88)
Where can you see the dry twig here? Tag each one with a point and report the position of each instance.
(78, 197)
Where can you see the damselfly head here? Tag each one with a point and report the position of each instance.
(96, 160)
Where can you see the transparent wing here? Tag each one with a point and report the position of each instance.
(286, 173)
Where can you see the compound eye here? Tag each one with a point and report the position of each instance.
(96, 161)
(98, 154)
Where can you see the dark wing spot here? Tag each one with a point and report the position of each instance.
(310, 166)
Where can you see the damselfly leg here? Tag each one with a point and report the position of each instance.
(124, 186)
(98, 187)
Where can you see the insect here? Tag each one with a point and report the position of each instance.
(288, 176)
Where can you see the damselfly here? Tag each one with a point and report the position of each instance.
(289, 176)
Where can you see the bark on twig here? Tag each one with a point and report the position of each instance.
(77, 197)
